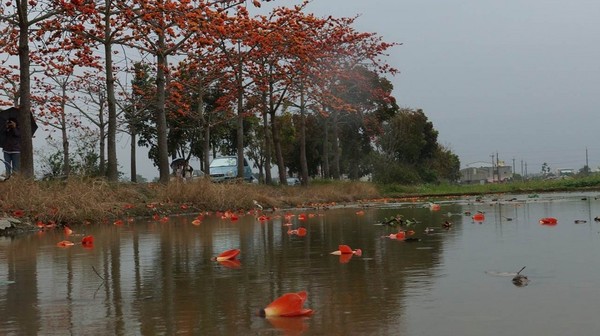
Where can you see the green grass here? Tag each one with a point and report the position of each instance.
(583, 183)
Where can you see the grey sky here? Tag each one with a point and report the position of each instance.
(520, 78)
(517, 77)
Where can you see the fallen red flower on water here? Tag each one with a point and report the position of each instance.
(65, 243)
(300, 231)
(360, 212)
(230, 263)
(118, 222)
(548, 221)
(345, 258)
(287, 305)
(401, 235)
(478, 217)
(156, 216)
(227, 255)
(87, 241)
(196, 221)
(68, 230)
(345, 249)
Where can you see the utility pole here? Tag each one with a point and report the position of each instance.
(587, 168)
(522, 176)
(492, 168)
(525, 169)
(497, 166)
(513, 171)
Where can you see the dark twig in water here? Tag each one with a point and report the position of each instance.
(98, 274)
(519, 272)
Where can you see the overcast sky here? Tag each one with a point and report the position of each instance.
(520, 78)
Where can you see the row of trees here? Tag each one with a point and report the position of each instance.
(295, 91)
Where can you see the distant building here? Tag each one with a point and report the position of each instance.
(481, 175)
(565, 172)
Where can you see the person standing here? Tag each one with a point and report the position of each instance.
(12, 147)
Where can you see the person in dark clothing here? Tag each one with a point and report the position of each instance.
(12, 147)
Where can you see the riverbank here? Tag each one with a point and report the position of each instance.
(87, 201)
(46, 204)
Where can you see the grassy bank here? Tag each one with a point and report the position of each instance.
(92, 200)
(78, 201)
(569, 184)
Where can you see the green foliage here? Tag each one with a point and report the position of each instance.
(84, 161)
(393, 172)
(410, 153)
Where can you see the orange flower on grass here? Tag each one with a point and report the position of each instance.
(18, 213)
(287, 305)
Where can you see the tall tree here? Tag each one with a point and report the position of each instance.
(25, 22)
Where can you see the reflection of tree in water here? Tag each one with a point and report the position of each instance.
(20, 311)
(157, 278)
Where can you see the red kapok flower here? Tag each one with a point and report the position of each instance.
(228, 255)
(65, 243)
(87, 241)
(287, 305)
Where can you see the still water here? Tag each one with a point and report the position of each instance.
(153, 278)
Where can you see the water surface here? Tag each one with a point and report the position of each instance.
(153, 278)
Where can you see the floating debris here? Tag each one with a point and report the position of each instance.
(520, 280)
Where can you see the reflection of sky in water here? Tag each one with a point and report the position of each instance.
(159, 279)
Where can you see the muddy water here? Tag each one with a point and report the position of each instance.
(153, 278)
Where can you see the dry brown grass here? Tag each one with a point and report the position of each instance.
(81, 200)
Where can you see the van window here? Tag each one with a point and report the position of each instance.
(223, 162)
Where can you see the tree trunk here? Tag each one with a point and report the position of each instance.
(303, 161)
(336, 148)
(277, 144)
(240, 121)
(132, 154)
(205, 126)
(267, 143)
(26, 169)
(161, 119)
(102, 145)
(325, 157)
(112, 173)
(65, 137)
